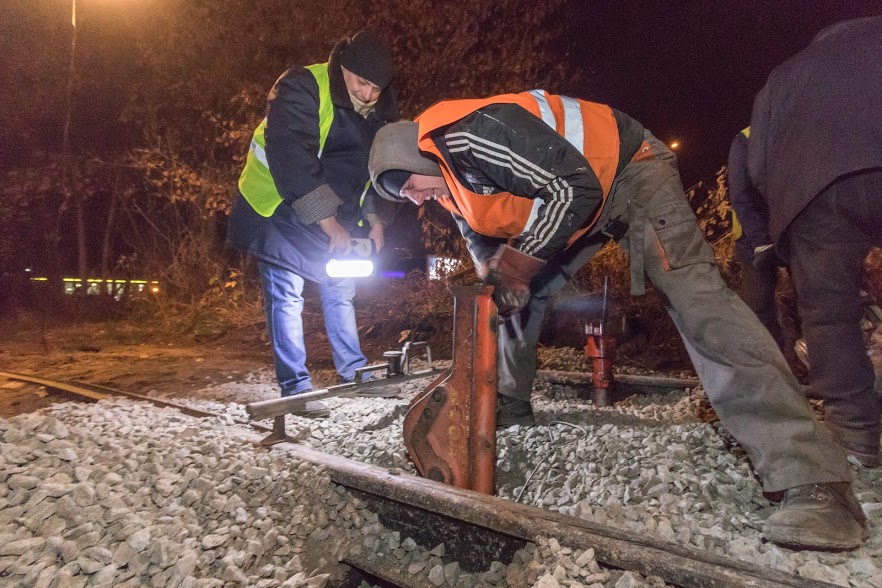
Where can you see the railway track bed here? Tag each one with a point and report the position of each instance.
(419, 533)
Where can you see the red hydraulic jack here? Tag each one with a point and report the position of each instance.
(601, 349)
(450, 428)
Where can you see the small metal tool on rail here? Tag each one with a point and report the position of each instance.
(397, 370)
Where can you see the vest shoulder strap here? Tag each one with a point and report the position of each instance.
(326, 107)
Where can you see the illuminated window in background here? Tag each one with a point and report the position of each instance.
(115, 288)
(440, 267)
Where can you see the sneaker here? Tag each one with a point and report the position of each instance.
(514, 411)
(314, 409)
(818, 516)
(861, 444)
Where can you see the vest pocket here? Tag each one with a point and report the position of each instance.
(678, 240)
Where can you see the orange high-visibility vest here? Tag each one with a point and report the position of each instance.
(588, 126)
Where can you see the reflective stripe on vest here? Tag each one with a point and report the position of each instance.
(572, 123)
(737, 231)
(588, 126)
(256, 183)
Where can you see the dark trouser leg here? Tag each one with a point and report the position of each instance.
(827, 244)
(519, 334)
(757, 290)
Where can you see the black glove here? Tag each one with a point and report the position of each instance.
(765, 258)
(510, 272)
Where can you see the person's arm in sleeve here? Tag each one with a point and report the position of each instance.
(481, 247)
(748, 203)
(504, 148)
(375, 216)
(514, 151)
(757, 150)
(292, 146)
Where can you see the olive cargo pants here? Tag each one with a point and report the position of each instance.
(746, 378)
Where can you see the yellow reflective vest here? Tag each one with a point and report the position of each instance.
(256, 183)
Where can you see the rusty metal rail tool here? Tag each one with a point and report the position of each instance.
(450, 428)
(397, 369)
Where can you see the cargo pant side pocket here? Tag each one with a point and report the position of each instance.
(677, 239)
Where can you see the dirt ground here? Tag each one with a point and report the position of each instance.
(136, 359)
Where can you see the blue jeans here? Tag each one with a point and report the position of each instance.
(283, 302)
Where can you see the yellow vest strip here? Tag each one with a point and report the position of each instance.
(256, 182)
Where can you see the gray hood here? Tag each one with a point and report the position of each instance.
(395, 147)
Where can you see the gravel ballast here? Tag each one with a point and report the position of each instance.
(124, 494)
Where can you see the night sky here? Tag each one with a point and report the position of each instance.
(689, 70)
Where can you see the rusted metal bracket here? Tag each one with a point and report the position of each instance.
(278, 435)
(450, 428)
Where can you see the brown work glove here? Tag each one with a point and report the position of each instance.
(510, 272)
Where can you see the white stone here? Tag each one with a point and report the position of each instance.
(139, 540)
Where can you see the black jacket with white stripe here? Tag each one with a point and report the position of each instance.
(505, 148)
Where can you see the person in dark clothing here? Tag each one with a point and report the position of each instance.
(753, 250)
(815, 154)
(304, 189)
(537, 184)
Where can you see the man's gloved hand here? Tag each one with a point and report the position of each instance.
(765, 258)
(510, 272)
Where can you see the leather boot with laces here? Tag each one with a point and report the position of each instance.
(818, 516)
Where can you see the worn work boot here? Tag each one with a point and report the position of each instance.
(818, 516)
(862, 444)
(513, 411)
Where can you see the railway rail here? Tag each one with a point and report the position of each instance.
(479, 529)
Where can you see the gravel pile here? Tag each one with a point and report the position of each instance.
(126, 494)
(650, 464)
(82, 481)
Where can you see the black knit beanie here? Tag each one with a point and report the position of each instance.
(365, 55)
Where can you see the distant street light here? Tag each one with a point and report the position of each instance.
(67, 192)
(65, 138)
(675, 145)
